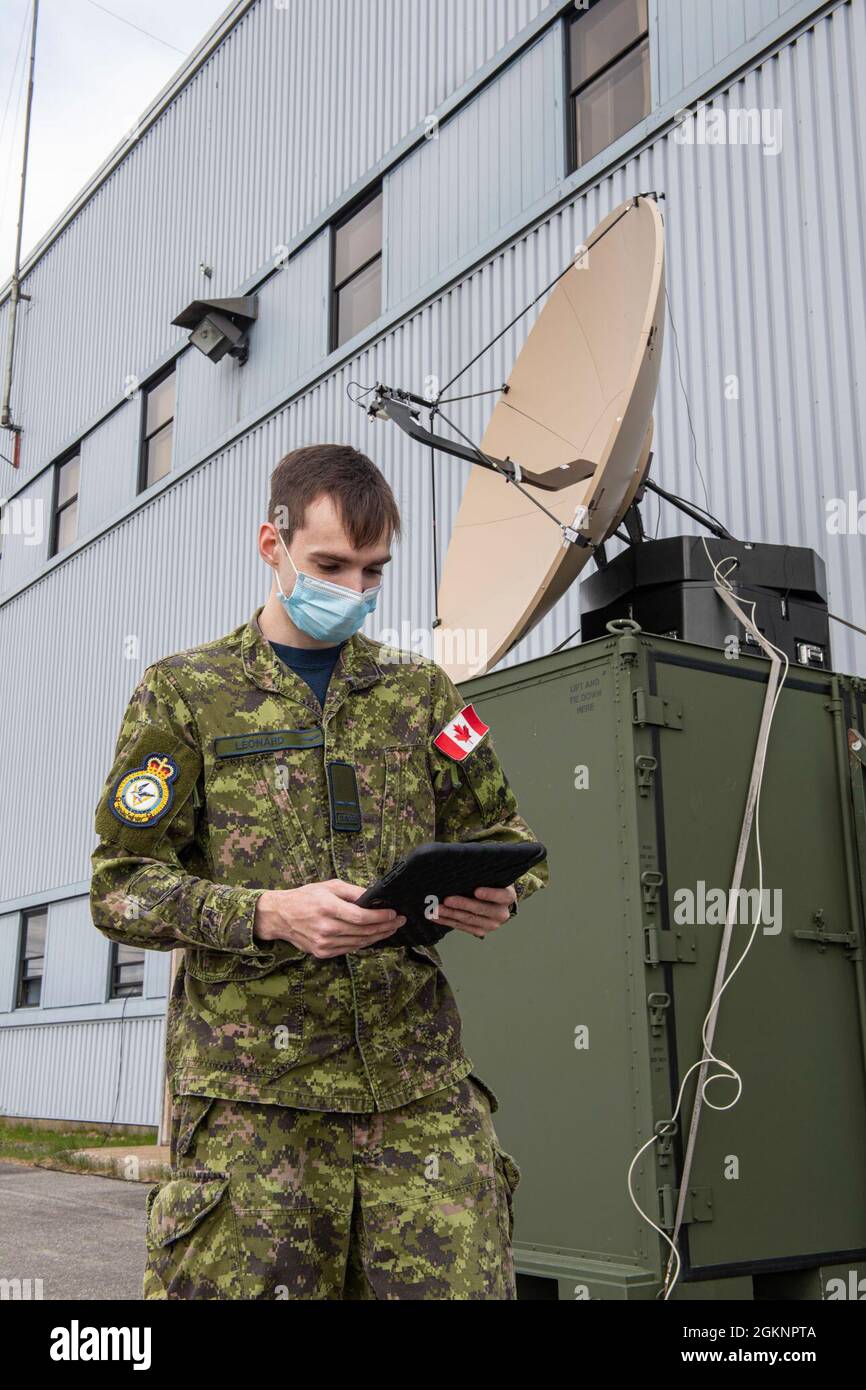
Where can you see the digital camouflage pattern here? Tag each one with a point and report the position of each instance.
(220, 820)
(268, 1202)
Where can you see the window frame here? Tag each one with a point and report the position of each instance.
(570, 18)
(26, 916)
(56, 510)
(114, 966)
(369, 196)
(145, 438)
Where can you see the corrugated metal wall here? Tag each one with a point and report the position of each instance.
(767, 284)
(242, 160)
(485, 168)
(696, 35)
(102, 1071)
(108, 472)
(295, 106)
(766, 279)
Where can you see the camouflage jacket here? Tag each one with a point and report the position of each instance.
(218, 791)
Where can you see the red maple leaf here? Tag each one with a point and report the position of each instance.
(463, 732)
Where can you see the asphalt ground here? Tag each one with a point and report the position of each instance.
(81, 1235)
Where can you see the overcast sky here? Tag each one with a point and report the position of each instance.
(95, 75)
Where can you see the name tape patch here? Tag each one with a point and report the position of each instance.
(271, 741)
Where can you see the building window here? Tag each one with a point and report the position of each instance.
(159, 400)
(127, 970)
(66, 504)
(356, 298)
(608, 75)
(31, 962)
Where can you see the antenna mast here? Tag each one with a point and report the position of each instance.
(6, 412)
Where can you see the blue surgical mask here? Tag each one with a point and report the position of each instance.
(327, 611)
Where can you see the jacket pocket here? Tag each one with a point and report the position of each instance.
(191, 1238)
(247, 1026)
(150, 886)
(408, 816)
(256, 836)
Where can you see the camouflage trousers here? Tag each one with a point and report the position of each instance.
(272, 1202)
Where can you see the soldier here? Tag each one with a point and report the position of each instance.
(329, 1138)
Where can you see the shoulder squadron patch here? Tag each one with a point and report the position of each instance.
(142, 796)
(461, 734)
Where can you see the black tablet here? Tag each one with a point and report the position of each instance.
(432, 872)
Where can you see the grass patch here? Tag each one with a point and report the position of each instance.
(26, 1143)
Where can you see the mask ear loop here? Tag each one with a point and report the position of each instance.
(323, 584)
(291, 562)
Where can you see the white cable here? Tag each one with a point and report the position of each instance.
(729, 1072)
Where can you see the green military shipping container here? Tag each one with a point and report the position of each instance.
(631, 757)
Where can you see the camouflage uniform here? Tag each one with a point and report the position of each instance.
(272, 1202)
(290, 1073)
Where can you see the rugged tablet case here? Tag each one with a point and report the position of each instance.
(439, 870)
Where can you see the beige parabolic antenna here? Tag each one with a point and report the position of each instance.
(582, 387)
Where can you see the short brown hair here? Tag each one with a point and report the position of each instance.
(361, 492)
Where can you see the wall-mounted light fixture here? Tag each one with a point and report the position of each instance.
(220, 326)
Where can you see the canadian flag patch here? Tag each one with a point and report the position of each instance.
(461, 734)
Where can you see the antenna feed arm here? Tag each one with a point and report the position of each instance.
(404, 409)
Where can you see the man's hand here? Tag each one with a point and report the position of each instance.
(480, 914)
(321, 918)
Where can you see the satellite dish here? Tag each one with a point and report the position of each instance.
(582, 388)
(638, 478)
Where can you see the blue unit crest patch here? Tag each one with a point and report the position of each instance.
(142, 796)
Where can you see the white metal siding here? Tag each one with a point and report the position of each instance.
(485, 167)
(157, 968)
(101, 1071)
(289, 337)
(108, 475)
(76, 957)
(697, 35)
(290, 111)
(27, 521)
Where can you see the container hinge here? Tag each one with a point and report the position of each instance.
(653, 709)
(698, 1206)
(679, 946)
(825, 938)
(646, 771)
